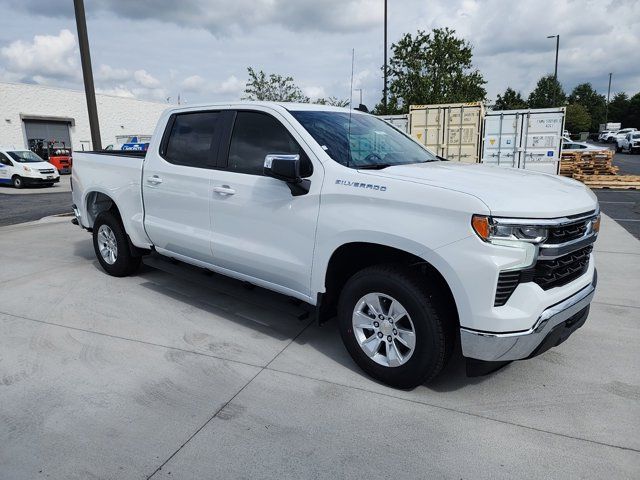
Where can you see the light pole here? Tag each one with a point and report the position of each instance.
(87, 74)
(384, 95)
(359, 90)
(606, 111)
(555, 72)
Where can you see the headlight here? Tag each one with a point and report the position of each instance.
(27, 169)
(489, 231)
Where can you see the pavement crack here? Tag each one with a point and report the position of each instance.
(217, 412)
(134, 340)
(463, 412)
(615, 304)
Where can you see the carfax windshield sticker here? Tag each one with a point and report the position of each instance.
(368, 186)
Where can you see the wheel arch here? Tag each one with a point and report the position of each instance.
(349, 258)
(96, 202)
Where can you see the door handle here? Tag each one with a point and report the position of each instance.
(224, 190)
(155, 180)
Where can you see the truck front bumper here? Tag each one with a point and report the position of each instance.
(553, 327)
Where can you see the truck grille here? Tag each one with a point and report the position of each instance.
(566, 233)
(507, 283)
(560, 271)
(48, 170)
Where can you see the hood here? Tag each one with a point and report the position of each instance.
(508, 192)
(37, 166)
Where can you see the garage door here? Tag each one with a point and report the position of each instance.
(47, 131)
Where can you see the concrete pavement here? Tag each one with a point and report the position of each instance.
(193, 376)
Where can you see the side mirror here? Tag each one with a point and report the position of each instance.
(287, 168)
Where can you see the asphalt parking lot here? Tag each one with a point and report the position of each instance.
(33, 203)
(194, 376)
(622, 205)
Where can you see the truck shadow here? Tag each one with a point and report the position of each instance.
(279, 317)
(270, 314)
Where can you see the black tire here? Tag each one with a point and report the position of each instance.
(17, 181)
(618, 149)
(434, 332)
(125, 263)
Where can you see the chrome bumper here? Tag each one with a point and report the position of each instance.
(498, 347)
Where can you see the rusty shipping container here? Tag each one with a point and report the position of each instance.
(453, 131)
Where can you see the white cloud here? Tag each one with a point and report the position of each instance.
(107, 73)
(145, 79)
(231, 86)
(118, 91)
(53, 56)
(194, 83)
(229, 89)
(314, 92)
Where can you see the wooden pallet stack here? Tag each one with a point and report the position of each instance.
(595, 170)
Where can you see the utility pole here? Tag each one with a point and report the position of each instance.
(606, 111)
(384, 96)
(87, 74)
(555, 72)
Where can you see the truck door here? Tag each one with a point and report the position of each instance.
(259, 228)
(176, 185)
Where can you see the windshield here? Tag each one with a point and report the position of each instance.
(368, 142)
(25, 156)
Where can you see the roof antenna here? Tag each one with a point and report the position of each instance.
(353, 55)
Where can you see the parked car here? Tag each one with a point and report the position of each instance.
(630, 143)
(341, 210)
(21, 168)
(602, 136)
(571, 146)
(613, 136)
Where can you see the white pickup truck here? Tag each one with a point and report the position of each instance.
(338, 209)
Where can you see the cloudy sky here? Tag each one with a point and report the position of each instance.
(200, 49)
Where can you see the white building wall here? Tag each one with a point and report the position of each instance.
(117, 115)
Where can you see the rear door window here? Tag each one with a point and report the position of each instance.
(193, 139)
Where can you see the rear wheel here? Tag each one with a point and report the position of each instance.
(392, 328)
(17, 181)
(111, 245)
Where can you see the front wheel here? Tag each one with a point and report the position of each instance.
(111, 245)
(17, 181)
(392, 328)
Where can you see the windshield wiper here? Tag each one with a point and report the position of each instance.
(376, 166)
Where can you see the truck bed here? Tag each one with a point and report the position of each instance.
(116, 174)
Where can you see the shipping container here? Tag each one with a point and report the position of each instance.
(453, 131)
(401, 122)
(528, 139)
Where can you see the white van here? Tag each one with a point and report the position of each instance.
(20, 167)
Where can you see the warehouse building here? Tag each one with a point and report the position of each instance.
(31, 113)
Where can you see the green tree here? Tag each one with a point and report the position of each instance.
(430, 68)
(336, 102)
(618, 108)
(578, 118)
(273, 88)
(547, 94)
(632, 118)
(510, 100)
(596, 104)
